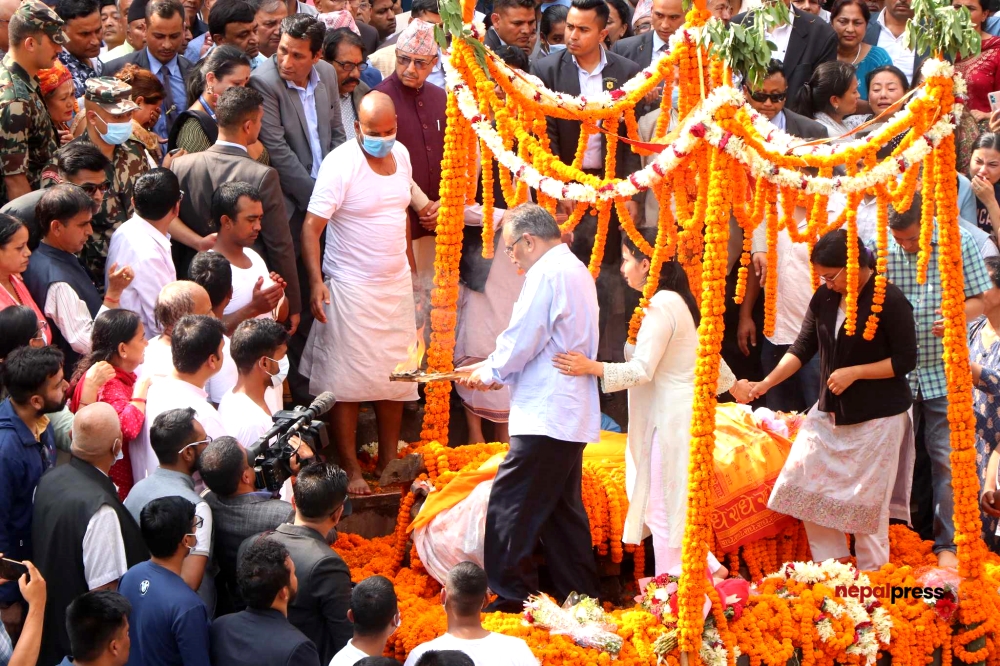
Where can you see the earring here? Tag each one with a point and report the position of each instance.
(211, 90)
(124, 356)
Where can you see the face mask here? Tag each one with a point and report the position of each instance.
(378, 146)
(121, 451)
(118, 133)
(278, 378)
(556, 47)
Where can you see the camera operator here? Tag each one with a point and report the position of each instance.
(239, 511)
(319, 610)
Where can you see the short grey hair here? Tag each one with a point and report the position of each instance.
(529, 218)
(175, 301)
(269, 6)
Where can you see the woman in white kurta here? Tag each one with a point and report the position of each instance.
(659, 375)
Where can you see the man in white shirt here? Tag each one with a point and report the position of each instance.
(375, 615)
(536, 493)
(888, 32)
(57, 279)
(144, 244)
(77, 514)
(464, 596)
(196, 349)
(258, 348)
(176, 300)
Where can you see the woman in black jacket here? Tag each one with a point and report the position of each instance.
(852, 461)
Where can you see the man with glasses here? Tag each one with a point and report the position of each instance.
(344, 50)
(178, 439)
(143, 242)
(109, 108)
(79, 520)
(169, 623)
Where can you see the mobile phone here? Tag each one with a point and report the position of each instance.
(994, 98)
(11, 569)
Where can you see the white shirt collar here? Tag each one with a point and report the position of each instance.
(779, 120)
(881, 22)
(220, 142)
(657, 42)
(551, 255)
(154, 233)
(310, 86)
(598, 70)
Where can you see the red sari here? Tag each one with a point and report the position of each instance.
(24, 296)
(982, 73)
(118, 393)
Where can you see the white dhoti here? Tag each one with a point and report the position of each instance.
(368, 330)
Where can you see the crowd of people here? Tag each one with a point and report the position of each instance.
(207, 206)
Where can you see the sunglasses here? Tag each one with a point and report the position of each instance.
(207, 440)
(93, 188)
(762, 97)
(406, 61)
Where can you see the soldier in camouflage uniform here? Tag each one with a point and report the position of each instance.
(27, 136)
(109, 110)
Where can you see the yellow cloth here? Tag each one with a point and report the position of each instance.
(610, 450)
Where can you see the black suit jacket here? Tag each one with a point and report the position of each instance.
(264, 637)
(812, 42)
(559, 72)
(638, 49)
(803, 127)
(320, 608)
(492, 40)
(369, 37)
(141, 58)
(871, 38)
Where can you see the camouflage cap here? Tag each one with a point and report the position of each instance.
(43, 17)
(110, 94)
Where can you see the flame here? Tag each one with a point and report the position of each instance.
(414, 356)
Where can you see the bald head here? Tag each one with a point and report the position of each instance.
(7, 9)
(180, 298)
(376, 117)
(95, 429)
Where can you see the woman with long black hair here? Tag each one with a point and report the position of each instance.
(659, 373)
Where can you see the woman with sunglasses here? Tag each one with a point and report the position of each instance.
(841, 474)
(118, 340)
(849, 19)
(196, 129)
(14, 254)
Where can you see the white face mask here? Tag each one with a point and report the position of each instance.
(278, 378)
(121, 450)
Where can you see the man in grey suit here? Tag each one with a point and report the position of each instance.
(667, 17)
(164, 38)
(302, 120)
(239, 112)
(239, 510)
(302, 123)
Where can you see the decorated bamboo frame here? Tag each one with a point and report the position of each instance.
(722, 159)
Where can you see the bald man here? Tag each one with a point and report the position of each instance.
(7, 9)
(176, 299)
(364, 309)
(84, 539)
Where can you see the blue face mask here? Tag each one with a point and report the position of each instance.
(118, 133)
(556, 47)
(378, 146)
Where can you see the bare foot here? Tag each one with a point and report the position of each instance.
(358, 486)
(947, 560)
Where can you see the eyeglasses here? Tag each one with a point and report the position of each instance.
(207, 440)
(509, 250)
(830, 281)
(350, 66)
(181, 198)
(196, 525)
(93, 188)
(762, 97)
(40, 331)
(406, 61)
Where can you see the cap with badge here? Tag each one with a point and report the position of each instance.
(42, 17)
(110, 94)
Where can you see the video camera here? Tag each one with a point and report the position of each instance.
(270, 455)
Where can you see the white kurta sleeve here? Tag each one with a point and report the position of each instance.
(726, 378)
(104, 558)
(654, 336)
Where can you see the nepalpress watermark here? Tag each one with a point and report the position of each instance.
(891, 593)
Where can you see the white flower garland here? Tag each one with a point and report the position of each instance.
(672, 155)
